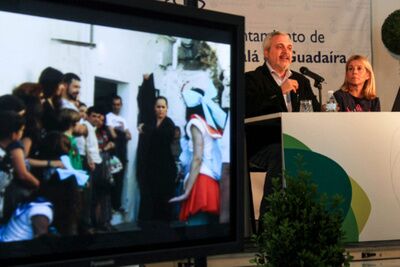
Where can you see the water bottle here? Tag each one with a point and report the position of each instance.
(331, 104)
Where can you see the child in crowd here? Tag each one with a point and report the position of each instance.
(10, 125)
(103, 181)
(82, 110)
(92, 162)
(68, 120)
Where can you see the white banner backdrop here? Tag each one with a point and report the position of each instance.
(325, 32)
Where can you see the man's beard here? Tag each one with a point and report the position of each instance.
(73, 96)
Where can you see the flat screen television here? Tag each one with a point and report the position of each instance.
(139, 50)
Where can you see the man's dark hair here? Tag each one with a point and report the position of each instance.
(96, 109)
(68, 77)
(114, 97)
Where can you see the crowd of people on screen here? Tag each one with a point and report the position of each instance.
(62, 163)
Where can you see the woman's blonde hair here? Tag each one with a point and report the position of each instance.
(369, 89)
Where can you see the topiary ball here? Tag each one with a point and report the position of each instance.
(391, 32)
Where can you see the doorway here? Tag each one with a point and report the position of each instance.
(104, 90)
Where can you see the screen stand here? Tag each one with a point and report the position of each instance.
(194, 262)
(191, 3)
(318, 84)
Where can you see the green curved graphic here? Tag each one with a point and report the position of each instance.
(350, 227)
(360, 205)
(331, 179)
(293, 143)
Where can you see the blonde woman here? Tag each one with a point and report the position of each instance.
(358, 92)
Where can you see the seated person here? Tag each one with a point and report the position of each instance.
(271, 88)
(358, 92)
(274, 87)
(56, 204)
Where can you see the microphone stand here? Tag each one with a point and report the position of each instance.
(318, 84)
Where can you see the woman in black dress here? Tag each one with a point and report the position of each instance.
(159, 170)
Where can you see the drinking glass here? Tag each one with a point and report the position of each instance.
(306, 106)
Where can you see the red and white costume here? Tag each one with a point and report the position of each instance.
(205, 194)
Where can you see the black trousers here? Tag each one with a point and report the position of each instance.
(268, 159)
(116, 192)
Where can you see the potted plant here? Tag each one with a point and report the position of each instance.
(302, 227)
(391, 32)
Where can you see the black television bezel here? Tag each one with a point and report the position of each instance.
(169, 19)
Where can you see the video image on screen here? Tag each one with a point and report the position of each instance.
(108, 130)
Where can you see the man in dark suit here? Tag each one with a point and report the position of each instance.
(271, 88)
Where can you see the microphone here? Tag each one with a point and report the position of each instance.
(307, 72)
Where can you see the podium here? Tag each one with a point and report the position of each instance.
(355, 155)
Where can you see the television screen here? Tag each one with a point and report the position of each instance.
(121, 132)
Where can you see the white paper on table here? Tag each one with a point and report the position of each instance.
(80, 175)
